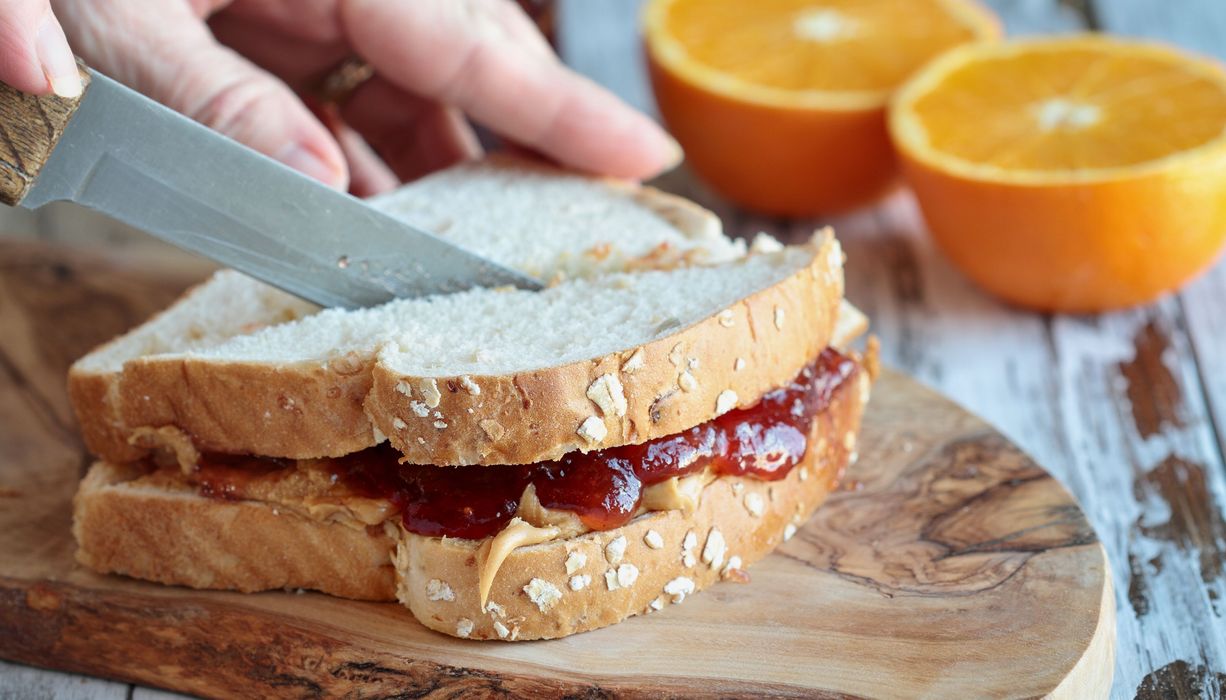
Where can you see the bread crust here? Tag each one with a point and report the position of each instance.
(692, 220)
(309, 410)
(297, 411)
(180, 538)
(175, 536)
(788, 503)
(664, 386)
(293, 411)
(95, 397)
(108, 430)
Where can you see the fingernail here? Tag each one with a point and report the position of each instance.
(57, 60)
(302, 159)
(676, 154)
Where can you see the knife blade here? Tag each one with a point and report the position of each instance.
(146, 165)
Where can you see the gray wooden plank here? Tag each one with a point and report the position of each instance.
(1139, 430)
(1199, 25)
(19, 682)
(937, 327)
(142, 693)
(1204, 302)
(1036, 16)
(600, 39)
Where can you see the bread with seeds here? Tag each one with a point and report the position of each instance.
(480, 377)
(534, 217)
(507, 464)
(154, 524)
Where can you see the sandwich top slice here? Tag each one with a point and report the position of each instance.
(539, 219)
(489, 376)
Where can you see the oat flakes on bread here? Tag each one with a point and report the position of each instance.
(153, 526)
(533, 217)
(247, 444)
(549, 222)
(585, 364)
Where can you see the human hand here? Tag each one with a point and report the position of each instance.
(34, 55)
(242, 67)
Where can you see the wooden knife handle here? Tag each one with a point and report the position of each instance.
(30, 127)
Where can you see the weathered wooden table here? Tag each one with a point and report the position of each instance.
(1128, 409)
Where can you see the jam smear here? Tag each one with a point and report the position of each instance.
(603, 488)
(604, 492)
(471, 502)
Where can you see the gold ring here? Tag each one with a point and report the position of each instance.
(340, 82)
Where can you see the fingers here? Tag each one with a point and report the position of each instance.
(161, 48)
(474, 55)
(34, 55)
(415, 136)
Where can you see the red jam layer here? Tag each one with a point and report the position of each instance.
(604, 487)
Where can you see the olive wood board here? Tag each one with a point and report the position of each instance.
(949, 565)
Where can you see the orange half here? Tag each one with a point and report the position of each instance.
(780, 104)
(1076, 174)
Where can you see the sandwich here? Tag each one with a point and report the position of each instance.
(507, 464)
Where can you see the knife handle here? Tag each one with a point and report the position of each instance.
(30, 126)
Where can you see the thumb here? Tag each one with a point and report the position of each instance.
(167, 52)
(34, 55)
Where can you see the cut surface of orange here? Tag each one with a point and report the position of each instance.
(780, 104)
(1075, 174)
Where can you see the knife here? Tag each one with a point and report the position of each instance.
(120, 153)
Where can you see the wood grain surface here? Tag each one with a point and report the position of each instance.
(951, 565)
(30, 127)
(1056, 385)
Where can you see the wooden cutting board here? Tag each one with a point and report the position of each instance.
(950, 566)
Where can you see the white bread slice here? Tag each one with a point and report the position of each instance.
(164, 531)
(226, 306)
(128, 525)
(525, 214)
(550, 223)
(603, 366)
(501, 376)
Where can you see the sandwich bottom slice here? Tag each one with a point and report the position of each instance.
(491, 552)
